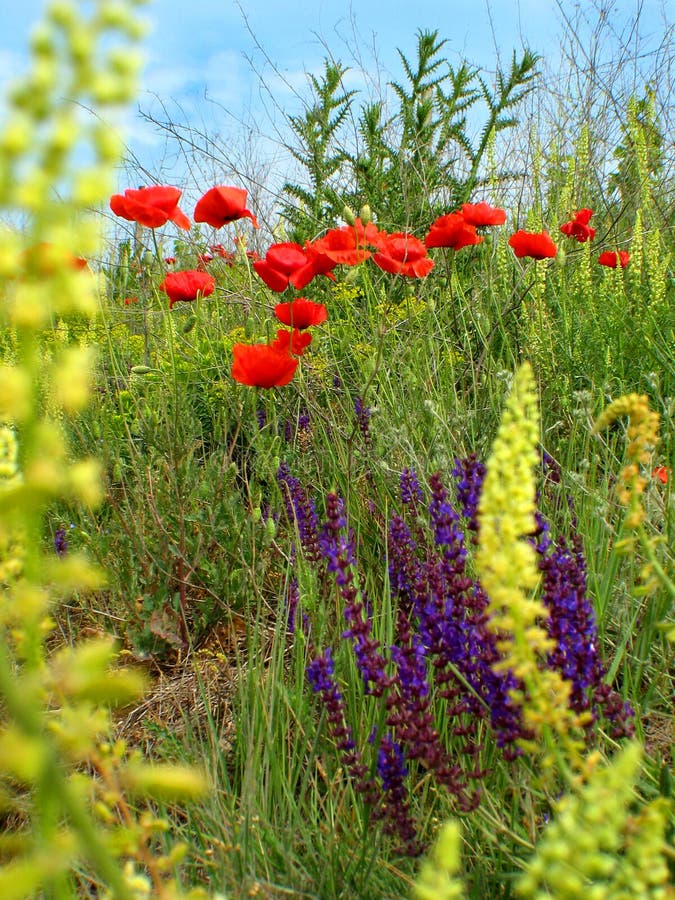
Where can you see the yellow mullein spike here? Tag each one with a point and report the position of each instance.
(506, 563)
(643, 437)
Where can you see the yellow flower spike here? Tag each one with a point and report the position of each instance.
(30, 601)
(30, 192)
(594, 847)
(16, 136)
(507, 568)
(26, 306)
(85, 482)
(81, 41)
(72, 378)
(108, 144)
(9, 455)
(63, 13)
(40, 139)
(73, 572)
(165, 782)
(91, 185)
(437, 879)
(643, 438)
(84, 673)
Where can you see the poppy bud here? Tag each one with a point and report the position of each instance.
(366, 214)
(348, 215)
(190, 323)
(270, 529)
(140, 370)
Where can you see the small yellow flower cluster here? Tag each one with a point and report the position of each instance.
(643, 436)
(395, 313)
(233, 337)
(345, 294)
(595, 848)
(506, 565)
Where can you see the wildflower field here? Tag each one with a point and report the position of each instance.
(336, 540)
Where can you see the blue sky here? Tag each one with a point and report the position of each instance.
(235, 68)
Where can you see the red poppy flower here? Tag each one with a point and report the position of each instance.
(453, 231)
(317, 264)
(204, 258)
(403, 254)
(348, 245)
(169, 260)
(288, 263)
(130, 300)
(610, 258)
(219, 250)
(187, 285)
(578, 227)
(221, 205)
(662, 473)
(295, 342)
(150, 206)
(260, 365)
(280, 262)
(538, 245)
(368, 234)
(301, 313)
(480, 214)
(342, 246)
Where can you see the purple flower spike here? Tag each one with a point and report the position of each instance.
(403, 564)
(469, 473)
(571, 623)
(338, 551)
(301, 510)
(60, 541)
(321, 675)
(411, 492)
(444, 519)
(363, 414)
(395, 810)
